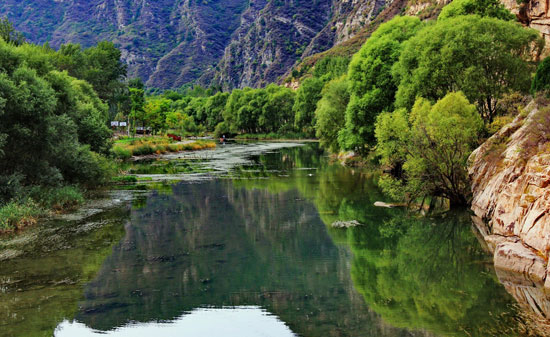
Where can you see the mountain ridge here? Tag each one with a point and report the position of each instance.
(170, 43)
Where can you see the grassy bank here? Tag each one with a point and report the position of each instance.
(38, 202)
(128, 147)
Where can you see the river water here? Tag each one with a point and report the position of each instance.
(237, 242)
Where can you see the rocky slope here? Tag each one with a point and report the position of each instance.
(270, 42)
(165, 42)
(511, 200)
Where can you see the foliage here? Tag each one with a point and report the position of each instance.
(263, 110)
(307, 97)
(50, 122)
(330, 113)
(541, 81)
(156, 110)
(331, 67)
(433, 144)
(9, 34)
(15, 215)
(137, 104)
(483, 57)
(185, 124)
(488, 8)
(371, 85)
(101, 66)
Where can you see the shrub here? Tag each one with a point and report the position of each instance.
(62, 199)
(433, 145)
(16, 215)
(121, 152)
(542, 77)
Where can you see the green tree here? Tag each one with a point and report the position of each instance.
(433, 144)
(9, 34)
(307, 97)
(101, 66)
(489, 8)
(330, 113)
(178, 120)
(50, 121)
(483, 57)
(78, 100)
(371, 85)
(156, 109)
(137, 104)
(331, 67)
(277, 114)
(541, 81)
(214, 108)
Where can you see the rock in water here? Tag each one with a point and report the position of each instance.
(345, 224)
(384, 204)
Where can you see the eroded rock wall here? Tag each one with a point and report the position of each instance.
(533, 13)
(510, 176)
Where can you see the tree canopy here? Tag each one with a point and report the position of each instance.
(50, 123)
(433, 143)
(489, 8)
(483, 57)
(371, 85)
(330, 113)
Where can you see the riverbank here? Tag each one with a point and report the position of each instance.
(40, 203)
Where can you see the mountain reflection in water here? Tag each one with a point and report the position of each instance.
(223, 322)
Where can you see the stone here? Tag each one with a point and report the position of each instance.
(345, 224)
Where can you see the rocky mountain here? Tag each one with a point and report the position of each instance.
(169, 43)
(272, 39)
(165, 42)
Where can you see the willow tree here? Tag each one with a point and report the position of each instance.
(371, 85)
(483, 57)
(433, 143)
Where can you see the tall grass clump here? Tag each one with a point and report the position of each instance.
(126, 148)
(16, 215)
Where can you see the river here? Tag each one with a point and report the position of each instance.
(237, 242)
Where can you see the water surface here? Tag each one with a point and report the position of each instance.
(242, 246)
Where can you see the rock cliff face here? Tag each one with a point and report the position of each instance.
(533, 13)
(510, 176)
(165, 42)
(273, 38)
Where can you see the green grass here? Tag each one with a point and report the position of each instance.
(125, 179)
(16, 215)
(38, 202)
(60, 199)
